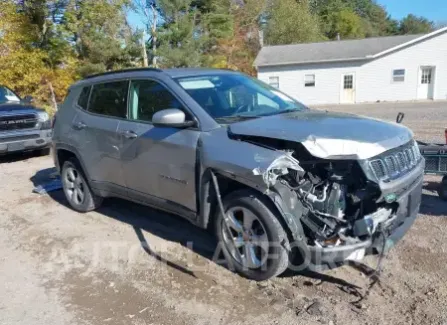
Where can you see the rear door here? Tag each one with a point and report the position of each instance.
(98, 142)
(158, 162)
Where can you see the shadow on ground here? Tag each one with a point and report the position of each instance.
(175, 229)
(18, 156)
(432, 204)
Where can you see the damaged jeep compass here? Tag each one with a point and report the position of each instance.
(280, 185)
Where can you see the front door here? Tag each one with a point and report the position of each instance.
(348, 88)
(426, 83)
(159, 163)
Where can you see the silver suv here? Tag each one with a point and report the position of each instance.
(22, 126)
(280, 185)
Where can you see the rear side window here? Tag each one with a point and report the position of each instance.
(109, 99)
(83, 97)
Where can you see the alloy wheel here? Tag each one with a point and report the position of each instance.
(74, 185)
(245, 237)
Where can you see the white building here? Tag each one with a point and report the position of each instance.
(396, 68)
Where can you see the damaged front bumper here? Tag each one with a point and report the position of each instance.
(409, 201)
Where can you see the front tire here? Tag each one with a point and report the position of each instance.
(76, 189)
(251, 237)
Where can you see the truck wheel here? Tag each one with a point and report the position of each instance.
(251, 237)
(442, 191)
(76, 189)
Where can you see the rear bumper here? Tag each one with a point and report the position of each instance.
(409, 203)
(24, 140)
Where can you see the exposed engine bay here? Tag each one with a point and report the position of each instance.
(340, 203)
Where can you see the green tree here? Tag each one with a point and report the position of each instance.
(291, 21)
(415, 25)
(346, 24)
(181, 37)
(100, 34)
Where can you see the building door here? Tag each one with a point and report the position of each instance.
(348, 88)
(426, 83)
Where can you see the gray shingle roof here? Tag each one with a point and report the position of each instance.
(328, 51)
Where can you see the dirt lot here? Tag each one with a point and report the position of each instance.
(127, 264)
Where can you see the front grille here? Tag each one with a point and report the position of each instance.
(395, 163)
(19, 138)
(17, 122)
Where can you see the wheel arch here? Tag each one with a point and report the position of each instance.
(65, 152)
(275, 197)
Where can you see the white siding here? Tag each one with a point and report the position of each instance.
(374, 80)
(327, 81)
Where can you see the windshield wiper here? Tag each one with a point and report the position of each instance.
(233, 118)
(285, 111)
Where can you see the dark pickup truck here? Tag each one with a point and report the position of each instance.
(23, 127)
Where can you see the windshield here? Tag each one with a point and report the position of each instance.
(6, 95)
(235, 96)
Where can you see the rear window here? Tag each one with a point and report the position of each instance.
(83, 97)
(109, 99)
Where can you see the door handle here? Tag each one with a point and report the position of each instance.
(79, 126)
(129, 134)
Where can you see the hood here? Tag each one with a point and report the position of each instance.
(329, 135)
(16, 106)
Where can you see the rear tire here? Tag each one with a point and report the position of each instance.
(257, 252)
(442, 191)
(76, 188)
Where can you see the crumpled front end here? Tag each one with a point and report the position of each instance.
(348, 208)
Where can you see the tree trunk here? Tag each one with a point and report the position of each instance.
(154, 37)
(53, 96)
(145, 60)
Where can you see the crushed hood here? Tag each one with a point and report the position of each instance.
(329, 135)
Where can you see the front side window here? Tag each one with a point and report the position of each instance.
(148, 97)
(83, 97)
(7, 95)
(109, 99)
(231, 96)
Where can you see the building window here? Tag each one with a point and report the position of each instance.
(399, 75)
(426, 76)
(309, 80)
(348, 81)
(274, 82)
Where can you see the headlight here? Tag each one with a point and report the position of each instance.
(44, 120)
(43, 116)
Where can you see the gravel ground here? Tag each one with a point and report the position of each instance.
(128, 264)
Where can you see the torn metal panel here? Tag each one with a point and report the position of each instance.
(329, 135)
(245, 158)
(279, 167)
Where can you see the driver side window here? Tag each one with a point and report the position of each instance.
(148, 97)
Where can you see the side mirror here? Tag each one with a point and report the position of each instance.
(171, 117)
(28, 99)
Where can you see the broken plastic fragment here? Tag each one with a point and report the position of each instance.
(277, 168)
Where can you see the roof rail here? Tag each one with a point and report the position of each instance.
(121, 71)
